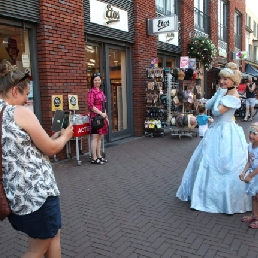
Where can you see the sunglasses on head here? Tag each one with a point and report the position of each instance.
(27, 75)
(252, 130)
(96, 74)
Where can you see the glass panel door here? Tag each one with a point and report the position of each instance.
(118, 90)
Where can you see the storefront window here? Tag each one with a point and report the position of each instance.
(160, 62)
(170, 62)
(92, 61)
(117, 74)
(14, 47)
(165, 61)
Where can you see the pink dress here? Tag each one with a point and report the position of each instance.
(96, 98)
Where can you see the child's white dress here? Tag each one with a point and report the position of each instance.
(252, 187)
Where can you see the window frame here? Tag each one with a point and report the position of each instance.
(163, 9)
(237, 30)
(222, 20)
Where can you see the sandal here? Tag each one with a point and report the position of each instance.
(253, 225)
(103, 160)
(249, 218)
(243, 120)
(250, 120)
(97, 162)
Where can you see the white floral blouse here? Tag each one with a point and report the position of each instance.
(28, 178)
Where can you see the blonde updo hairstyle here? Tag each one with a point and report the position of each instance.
(10, 76)
(231, 71)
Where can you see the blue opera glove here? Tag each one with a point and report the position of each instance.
(209, 104)
(215, 110)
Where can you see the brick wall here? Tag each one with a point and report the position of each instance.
(61, 55)
(233, 5)
(187, 24)
(240, 6)
(143, 50)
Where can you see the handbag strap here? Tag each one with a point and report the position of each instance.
(1, 120)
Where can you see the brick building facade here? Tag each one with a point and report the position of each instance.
(69, 40)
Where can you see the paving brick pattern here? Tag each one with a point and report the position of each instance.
(127, 209)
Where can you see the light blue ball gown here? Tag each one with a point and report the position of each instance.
(211, 180)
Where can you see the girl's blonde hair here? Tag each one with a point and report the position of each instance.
(231, 71)
(254, 128)
(10, 76)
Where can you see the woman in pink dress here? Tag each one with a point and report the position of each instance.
(96, 104)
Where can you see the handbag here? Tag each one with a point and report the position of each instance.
(5, 209)
(97, 122)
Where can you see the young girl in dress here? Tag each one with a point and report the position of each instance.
(250, 176)
(203, 120)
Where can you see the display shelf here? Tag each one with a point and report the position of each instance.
(156, 110)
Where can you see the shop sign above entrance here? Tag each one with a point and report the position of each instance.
(162, 25)
(112, 15)
(109, 15)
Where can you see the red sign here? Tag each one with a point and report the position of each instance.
(81, 130)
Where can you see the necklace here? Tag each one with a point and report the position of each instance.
(231, 88)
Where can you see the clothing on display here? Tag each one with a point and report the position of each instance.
(188, 74)
(156, 101)
(181, 75)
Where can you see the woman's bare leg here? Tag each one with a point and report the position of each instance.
(100, 136)
(246, 112)
(94, 146)
(50, 247)
(54, 249)
(37, 248)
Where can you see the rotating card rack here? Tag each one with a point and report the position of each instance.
(156, 113)
(174, 110)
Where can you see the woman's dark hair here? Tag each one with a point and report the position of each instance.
(10, 76)
(92, 78)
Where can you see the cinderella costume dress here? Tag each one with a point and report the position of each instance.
(211, 179)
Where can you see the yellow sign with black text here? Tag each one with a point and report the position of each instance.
(57, 102)
(73, 102)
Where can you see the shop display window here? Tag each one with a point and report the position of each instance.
(14, 47)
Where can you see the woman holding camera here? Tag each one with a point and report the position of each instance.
(28, 177)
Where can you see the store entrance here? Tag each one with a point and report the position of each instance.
(112, 62)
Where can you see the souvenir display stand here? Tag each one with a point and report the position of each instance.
(156, 113)
(81, 129)
(177, 107)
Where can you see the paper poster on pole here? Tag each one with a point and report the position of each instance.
(184, 62)
(25, 60)
(57, 102)
(73, 102)
(192, 63)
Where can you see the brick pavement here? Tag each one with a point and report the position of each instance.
(127, 209)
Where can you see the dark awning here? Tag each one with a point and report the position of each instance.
(251, 70)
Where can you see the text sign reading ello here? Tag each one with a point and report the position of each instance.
(162, 25)
(111, 15)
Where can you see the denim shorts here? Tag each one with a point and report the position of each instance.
(250, 102)
(43, 223)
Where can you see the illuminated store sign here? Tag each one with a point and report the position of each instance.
(108, 15)
(162, 25)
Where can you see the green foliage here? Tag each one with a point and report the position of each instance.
(203, 50)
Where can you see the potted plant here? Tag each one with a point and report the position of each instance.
(203, 50)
